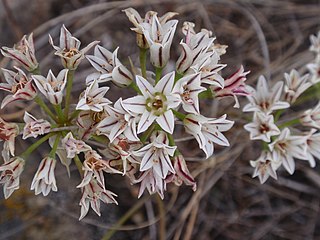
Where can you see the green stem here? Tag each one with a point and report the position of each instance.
(35, 145)
(158, 74)
(162, 221)
(179, 115)
(290, 123)
(36, 71)
(278, 114)
(59, 112)
(74, 115)
(79, 165)
(177, 77)
(68, 93)
(147, 133)
(45, 108)
(143, 62)
(206, 94)
(55, 146)
(134, 86)
(100, 139)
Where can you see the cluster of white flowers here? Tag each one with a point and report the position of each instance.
(281, 141)
(137, 132)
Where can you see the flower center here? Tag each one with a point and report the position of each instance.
(264, 128)
(157, 105)
(71, 52)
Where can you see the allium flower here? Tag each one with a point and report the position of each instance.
(69, 49)
(314, 69)
(34, 127)
(8, 133)
(311, 117)
(315, 43)
(287, 147)
(109, 68)
(74, 146)
(233, 86)
(93, 98)
(188, 89)
(265, 100)
(92, 193)
(119, 121)
(10, 175)
(182, 173)
(295, 85)
(19, 85)
(52, 87)
(262, 127)
(155, 103)
(23, 53)
(208, 131)
(266, 165)
(44, 180)
(156, 155)
(194, 48)
(159, 38)
(313, 150)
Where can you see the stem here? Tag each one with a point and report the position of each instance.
(59, 112)
(68, 93)
(147, 133)
(55, 146)
(36, 71)
(179, 115)
(278, 114)
(134, 86)
(143, 62)
(74, 115)
(79, 165)
(177, 77)
(45, 108)
(35, 145)
(206, 94)
(162, 224)
(158, 74)
(290, 123)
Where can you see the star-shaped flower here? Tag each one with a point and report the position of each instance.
(34, 127)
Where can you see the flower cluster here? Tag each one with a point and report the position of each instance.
(283, 142)
(137, 132)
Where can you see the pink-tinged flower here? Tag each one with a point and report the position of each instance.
(52, 87)
(137, 20)
(119, 121)
(207, 131)
(263, 99)
(23, 53)
(159, 38)
(286, 147)
(311, 117)
(315, 43)
(74, 146)
(8, 133)
(156, 155)
(209, 69)
(194, 48)
(154, 104)
(34, 127)
(313, 150)
(151, 181)
(44, 180)
(262, 127)
(233, 86)
(295, 85)
(19, 85)
(265, 166)
(92, 193)
(182, 173)
(109, 68)
(188, 89)
(314, 70)
(93, 98)
(10, 175)
(69, 49)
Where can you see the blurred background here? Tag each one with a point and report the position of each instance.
(267, 37)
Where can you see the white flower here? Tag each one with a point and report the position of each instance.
(295, 85)
(265, 166)
(52, 87)
(74, 146)
(311, 117)
(10, 176)
(314, 69)
(159, 37)
(69, 49)
(34, 127)
(154, 104)
(313, 150)
(23, 53)
(208, 131)
(287, 147)
(262, 127)
(109, 68)
(93, 98)
(119, 121)
(44, 180)
(156, 155)
(8, 133)
(182, 173)
(188, 89)
(92, 193)
(263, 99)
(315, 43)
